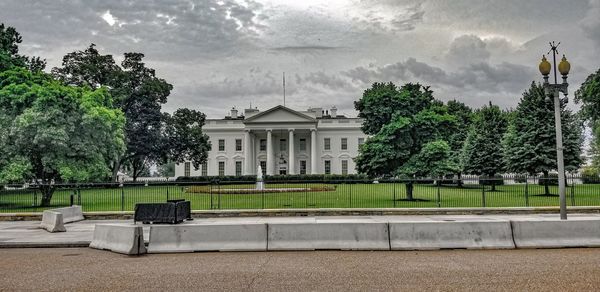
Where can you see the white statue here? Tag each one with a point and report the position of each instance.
(259, 178)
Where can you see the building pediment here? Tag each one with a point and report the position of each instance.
(278, 115)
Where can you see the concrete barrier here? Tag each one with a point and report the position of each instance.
(70, 214)
(52, 221)
(119, 238)
(207, 237)
(556, 233)
(450, 234)
(350, 235)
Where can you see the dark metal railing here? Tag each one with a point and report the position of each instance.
(509, 191)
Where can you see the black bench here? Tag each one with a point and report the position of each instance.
(172, 212)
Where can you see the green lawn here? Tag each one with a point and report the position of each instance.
(383, 195)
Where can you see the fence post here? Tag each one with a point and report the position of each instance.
(218, 196)
(572, 191)
(167, 192)
(526, 191)
(439, 201)
(483, 193)
(350, 197)
(210, 185)
(122, 197)
(72, 198)
(394, 184)
(79, 196)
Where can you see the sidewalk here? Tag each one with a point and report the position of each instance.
(79, 234)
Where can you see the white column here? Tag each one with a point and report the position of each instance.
(292, 158)
(247, 153)
(313, 151)
(270, 153)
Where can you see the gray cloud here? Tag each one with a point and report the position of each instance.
(591, 22)
(218, 54)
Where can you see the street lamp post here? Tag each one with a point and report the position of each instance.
(553, 91)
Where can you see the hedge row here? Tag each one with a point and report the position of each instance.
(275, 178)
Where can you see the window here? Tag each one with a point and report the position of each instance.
(282, 145)
(344, 166)
(205, 169)
(361, 141)
(263, 165)
(263, 145)
(238, 168)
(221, 145)
(186, 169)
(327, 144)
(238, 144)
(327, 166)
(302, 166)
(302, 145)
(221, 168)
(344, 143)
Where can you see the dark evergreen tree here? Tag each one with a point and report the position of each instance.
(530, 141)
(482, 152)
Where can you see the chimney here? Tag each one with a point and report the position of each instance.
(333, 112)
(234, 113)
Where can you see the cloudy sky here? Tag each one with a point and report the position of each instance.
(225, 53)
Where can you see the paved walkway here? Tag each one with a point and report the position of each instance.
(27, 233)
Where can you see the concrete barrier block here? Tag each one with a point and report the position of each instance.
(450, 234)
(119, 238)
(52, 221)
(329, 235)
(556, 233)
(207, 237)
(70, 214)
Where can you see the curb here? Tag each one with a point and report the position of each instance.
(126, 215)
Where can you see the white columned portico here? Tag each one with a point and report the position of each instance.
(248, 167)
(292, 157)
(313, 151)
(270, 153)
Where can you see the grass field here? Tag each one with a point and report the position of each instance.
(384, 195)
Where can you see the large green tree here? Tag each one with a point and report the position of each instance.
(458, 134)
(482, 152)
(530, 141)
(589, 97)
(53, 132)
(402, 123)
(140, 94)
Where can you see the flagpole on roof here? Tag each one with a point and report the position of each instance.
(283, 88)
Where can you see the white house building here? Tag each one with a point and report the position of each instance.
(281, 141)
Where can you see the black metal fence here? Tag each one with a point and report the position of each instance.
(515, 191)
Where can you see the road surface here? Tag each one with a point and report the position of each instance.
(84, 269)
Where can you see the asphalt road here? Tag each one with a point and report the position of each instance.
(84, 269)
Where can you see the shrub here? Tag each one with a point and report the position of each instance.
(349, 178)
(590, 175)
(497, 180)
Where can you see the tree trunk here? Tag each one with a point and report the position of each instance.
(459, 182)
(493, 186)
(409, 191)
(546, 184)
(47, 192)
(115, 169)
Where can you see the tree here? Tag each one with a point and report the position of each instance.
(136, 91)
(166, 169)
(184, 139)
(482, 152)
(401, 123)
(458, 135)
(9, 51)
(530, 141)
(50, 132)
(589, 97)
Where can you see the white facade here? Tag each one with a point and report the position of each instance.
(282, 140)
